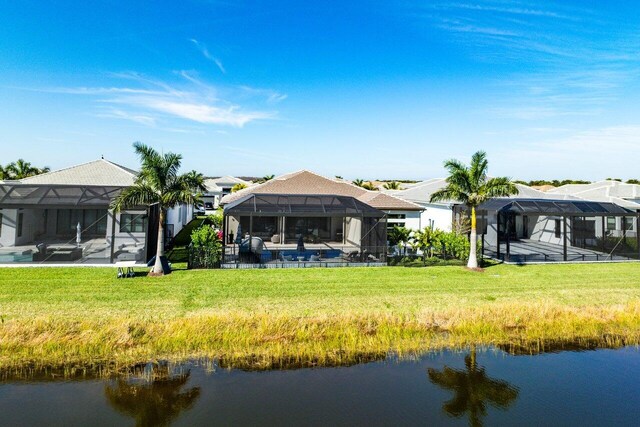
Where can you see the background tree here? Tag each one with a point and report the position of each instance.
(369, 186)
(399, 236)
(158, 182)
(239, 186)
(265, 179)
(21, 169)
(392, 185)
(357, 182)
(470, 185)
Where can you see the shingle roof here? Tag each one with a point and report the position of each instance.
(96, 173)
(306, 182)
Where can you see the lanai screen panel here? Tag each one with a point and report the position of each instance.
(15, 195)
(554, 207)
(301, 205)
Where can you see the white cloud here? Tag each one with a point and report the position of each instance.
(152, 101)
(205, 52)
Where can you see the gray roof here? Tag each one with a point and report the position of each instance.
(96, 173)
(421, 192)
(620, 193)
(213, 184)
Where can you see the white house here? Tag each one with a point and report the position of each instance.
(217, 188)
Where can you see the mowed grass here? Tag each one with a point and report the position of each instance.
(308, 316)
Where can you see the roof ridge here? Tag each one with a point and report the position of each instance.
(58, 170)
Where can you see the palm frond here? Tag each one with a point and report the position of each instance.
(478, 168)
(500, 187)
(137, 195)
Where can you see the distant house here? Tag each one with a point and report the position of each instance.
(331, 217)
(217, 188)
(40, 217)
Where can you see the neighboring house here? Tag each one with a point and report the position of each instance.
(440, 215)
(217, 188)
(619, 193)
(535, 226)
(39, 217)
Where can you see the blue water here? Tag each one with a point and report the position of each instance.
(600, 387)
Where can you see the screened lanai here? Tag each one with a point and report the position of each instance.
(543, 230)
(58, 223)
(284, 229)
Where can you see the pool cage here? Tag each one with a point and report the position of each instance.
(284, 230)
(546, 230)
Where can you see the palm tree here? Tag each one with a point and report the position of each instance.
(369, 186)
(158, 183)
(392, 185)
(265, 179)
(358, 182)
(239, 186)
(471, 186)
(22, 169)
(472, 388)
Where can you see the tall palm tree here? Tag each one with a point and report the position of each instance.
(158, 183)
(22, 169)
(471, 186)
(473, 389)
(392, 185)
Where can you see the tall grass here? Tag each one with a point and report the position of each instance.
(277, 318)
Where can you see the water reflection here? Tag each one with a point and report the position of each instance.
(155, 397)
(472, 389)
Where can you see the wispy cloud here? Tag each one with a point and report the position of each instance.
(152, 102)
(205, 52)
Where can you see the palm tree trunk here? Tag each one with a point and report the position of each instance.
(473, 241)
(157, 267)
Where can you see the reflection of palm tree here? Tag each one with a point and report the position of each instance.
(155, 402)
(472, 388)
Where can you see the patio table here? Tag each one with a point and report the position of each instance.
(125, 269)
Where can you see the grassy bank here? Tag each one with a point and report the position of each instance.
(324, 316)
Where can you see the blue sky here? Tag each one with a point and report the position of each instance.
(359, 89)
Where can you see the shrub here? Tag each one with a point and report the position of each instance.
(205, 250)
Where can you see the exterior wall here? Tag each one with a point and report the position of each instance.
(436, 216)
(353, 233)
(542, 229)
(179, 216)
(408, 219)
(8, 231)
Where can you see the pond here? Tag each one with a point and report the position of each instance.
(490, 387)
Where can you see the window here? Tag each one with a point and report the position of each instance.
(611, 223)
(558, 231)
(396, 216)
(0, 223)
(93, 222)
(312, 229)
(263, 226)
(133, 223)
(20, 224)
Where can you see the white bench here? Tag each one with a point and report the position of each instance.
(125, 269)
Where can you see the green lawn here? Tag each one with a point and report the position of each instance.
(85, 314)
